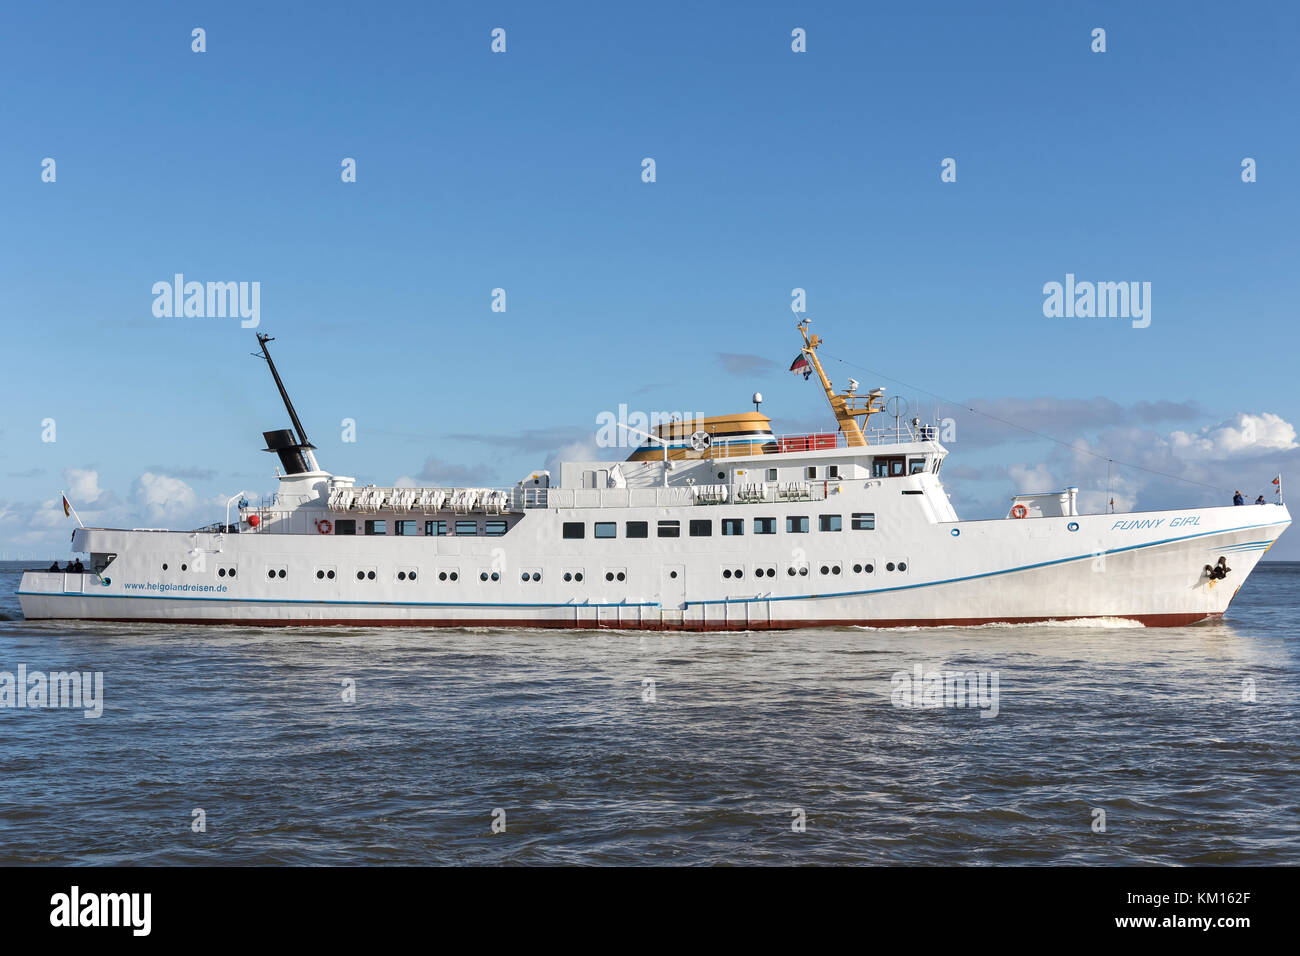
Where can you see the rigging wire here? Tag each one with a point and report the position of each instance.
(1071, 445)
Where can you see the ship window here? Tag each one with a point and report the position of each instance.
(435, 528)
(733, 526)
(376, 527)
(796, 524)
(863, 521)
(345, 526)
(575, 529)
(811, 472)
(832, 471)
(937, 463)
(670, 529)
(495, 527)
(764, 526)
(467, 527)
(404, 528)
(637, 529)
(916, 466)
(830, 522)
(771, 474)
(701, 527)
(606, 529)
(887, 467)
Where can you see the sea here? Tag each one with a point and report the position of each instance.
(1078, 743)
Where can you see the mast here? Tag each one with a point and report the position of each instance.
(847, 407)
(295, 455)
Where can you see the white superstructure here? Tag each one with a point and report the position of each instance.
(712, 524)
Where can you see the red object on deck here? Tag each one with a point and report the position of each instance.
(807, 442)
(253, 521)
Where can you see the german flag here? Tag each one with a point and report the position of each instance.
(67, 508)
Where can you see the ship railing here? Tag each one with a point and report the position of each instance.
(899, 433)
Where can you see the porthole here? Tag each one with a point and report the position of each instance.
(857, 569)
(454, 575)
(221, 572)
(673, 575)
(271, 573)
(328, 574)
(790, 571)
(740, 572)
(320, 575)
(442, 575)
(727, 573)
(803, 572)
(722, 476)
(524, 576)
(282, 573)
(825, 570)
(902, 565)
(568, 576)
(621, 576)
(482, 576)
(164, 567)
(232, 572)
(185, 567)
(956, 532)
(496, 576)
(107, 581)
(1073, 526)
(361, 575)
(369, 574)
(537, 576)
(869, 568)
(889, 566)
(401, 575)
(578, 576)
(609, 575)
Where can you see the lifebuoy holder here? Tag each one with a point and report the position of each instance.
(324, 526)
(1019, 511)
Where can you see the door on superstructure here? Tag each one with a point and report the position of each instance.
(672, 587)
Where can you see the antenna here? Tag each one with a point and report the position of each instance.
(757, 400)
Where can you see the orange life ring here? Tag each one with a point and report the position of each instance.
(1019, 511)
(323, 526)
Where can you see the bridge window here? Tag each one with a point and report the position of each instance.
(764, 526)
(345, 526)
(916, 466)
(796, 524)
(637, 529)
(404, 528)
(832, 471)
(731, 526)
(376, 527)
(670, 529)
(606, 529)
(435, 528)
(574, 530)
(467, 527)
(811, 472)
(701, 528)
(494, 527)
(890, 466)
(830, 522)
(863, 521)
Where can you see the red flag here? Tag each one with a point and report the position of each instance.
(1277, 480)
(801, 364)
(67, 508)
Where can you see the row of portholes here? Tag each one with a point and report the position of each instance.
(221, 572)
(740, 572)
(186, 567)
(274, 573)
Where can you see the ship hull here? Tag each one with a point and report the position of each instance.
(1148, 568)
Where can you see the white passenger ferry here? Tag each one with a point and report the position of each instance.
(710, 524)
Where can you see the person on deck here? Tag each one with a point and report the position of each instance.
(1237, 499)
(78, 567)
(1260, 500)
(55, 565)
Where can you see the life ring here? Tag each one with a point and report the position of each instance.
(1019, 511)
(323, 526)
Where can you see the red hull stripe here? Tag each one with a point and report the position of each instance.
(1150, 620)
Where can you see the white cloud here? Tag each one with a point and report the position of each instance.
(164, 497)
(83, 485)
(1242, 433)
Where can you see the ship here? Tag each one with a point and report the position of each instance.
(710, 524)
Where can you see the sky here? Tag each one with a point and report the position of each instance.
(774, 170)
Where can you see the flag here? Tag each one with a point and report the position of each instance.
(67, 508)
(1277, 480)
(801, 364)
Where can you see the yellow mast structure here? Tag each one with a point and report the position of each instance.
(847, 406)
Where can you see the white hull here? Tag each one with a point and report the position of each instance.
(1147, 567)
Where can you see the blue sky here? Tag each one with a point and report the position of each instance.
(522, 171)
